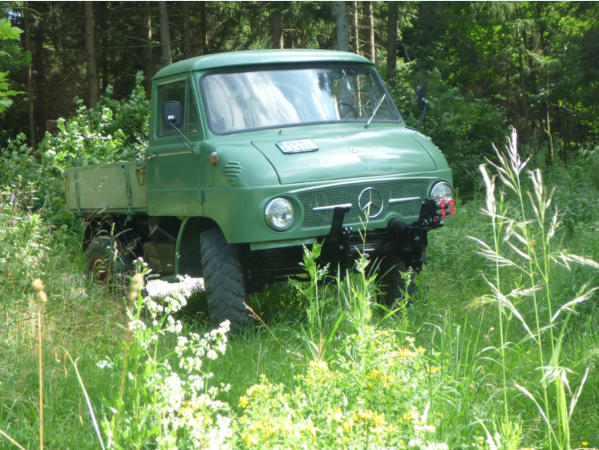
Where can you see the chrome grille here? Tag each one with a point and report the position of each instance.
(329, 196)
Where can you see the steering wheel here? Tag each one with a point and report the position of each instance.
(347, 108)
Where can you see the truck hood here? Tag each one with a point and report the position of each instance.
(352, 152)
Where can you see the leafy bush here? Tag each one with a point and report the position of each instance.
(113, 130)
(12, 58)
(18, 166)
(22, 232)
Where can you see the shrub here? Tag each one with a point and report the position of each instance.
(113, 130)
(22, 247)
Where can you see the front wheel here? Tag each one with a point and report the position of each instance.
(224, 280)
(397, 280)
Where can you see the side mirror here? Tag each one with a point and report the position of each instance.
(421, 96)
(172, 115)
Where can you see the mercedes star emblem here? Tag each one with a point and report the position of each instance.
(370, 202)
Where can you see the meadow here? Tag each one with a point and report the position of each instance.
(497, 349)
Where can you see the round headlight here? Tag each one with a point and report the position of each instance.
(279, 214)
(442, 190)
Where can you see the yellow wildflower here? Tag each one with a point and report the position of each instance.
(244, 401)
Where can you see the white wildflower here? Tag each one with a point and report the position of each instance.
(105, 364)
(137, 325)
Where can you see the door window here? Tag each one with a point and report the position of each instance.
(179, 91)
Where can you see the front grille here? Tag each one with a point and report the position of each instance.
(413, 189)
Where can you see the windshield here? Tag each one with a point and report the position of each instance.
(239, 101)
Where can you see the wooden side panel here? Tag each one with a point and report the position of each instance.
(106, 187)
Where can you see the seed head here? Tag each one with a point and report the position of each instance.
(38, 285)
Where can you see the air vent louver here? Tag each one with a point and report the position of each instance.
(232, 171)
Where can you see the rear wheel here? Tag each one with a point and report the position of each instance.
(224, 280)
(105, 260)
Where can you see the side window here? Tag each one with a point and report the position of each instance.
(179, 91)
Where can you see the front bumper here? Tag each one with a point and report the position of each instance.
(370, 203)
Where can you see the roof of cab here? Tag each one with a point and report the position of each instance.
(256, 57)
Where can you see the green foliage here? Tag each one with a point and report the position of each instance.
(22, 247)
(523, 290)
(363, 386)
(18, 167)
(11, 58)
(531, 59)
(462, 126)
(370, 396)
(164, 399)
(114, 130)
(380, 379)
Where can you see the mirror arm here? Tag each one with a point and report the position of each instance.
(422, 114)
(186, 142)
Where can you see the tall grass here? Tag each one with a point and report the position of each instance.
(513, 368)
(525, 256)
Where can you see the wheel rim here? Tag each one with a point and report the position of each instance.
(100, 270)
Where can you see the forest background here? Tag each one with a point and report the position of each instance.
(485, 66)
(491, 354)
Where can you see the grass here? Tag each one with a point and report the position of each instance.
(470, 364)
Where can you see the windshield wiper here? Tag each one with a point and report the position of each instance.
(376, 109)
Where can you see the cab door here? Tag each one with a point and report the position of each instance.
(173, 162)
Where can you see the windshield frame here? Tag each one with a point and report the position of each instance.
(292, 67)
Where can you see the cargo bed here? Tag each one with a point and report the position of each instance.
(115, 187)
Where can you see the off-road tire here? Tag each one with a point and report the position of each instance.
(224, 281)
(101, 263)
(393, 283)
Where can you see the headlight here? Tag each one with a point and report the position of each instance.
(442, 190)
(279, 214)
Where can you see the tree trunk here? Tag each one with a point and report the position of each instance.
(340, 14)
(276, 27)
(165, 39)
(356, 29)
(203, 28)
(392, 42)
(371, 49)
(186, 45)
(101, 15)
(39, 69)
(30, 91)
(90, 47)
(148, 58)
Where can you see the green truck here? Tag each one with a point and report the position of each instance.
(253, 155)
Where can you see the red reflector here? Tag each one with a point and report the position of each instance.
(443, 213)
(452, 203)
(452, 211)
